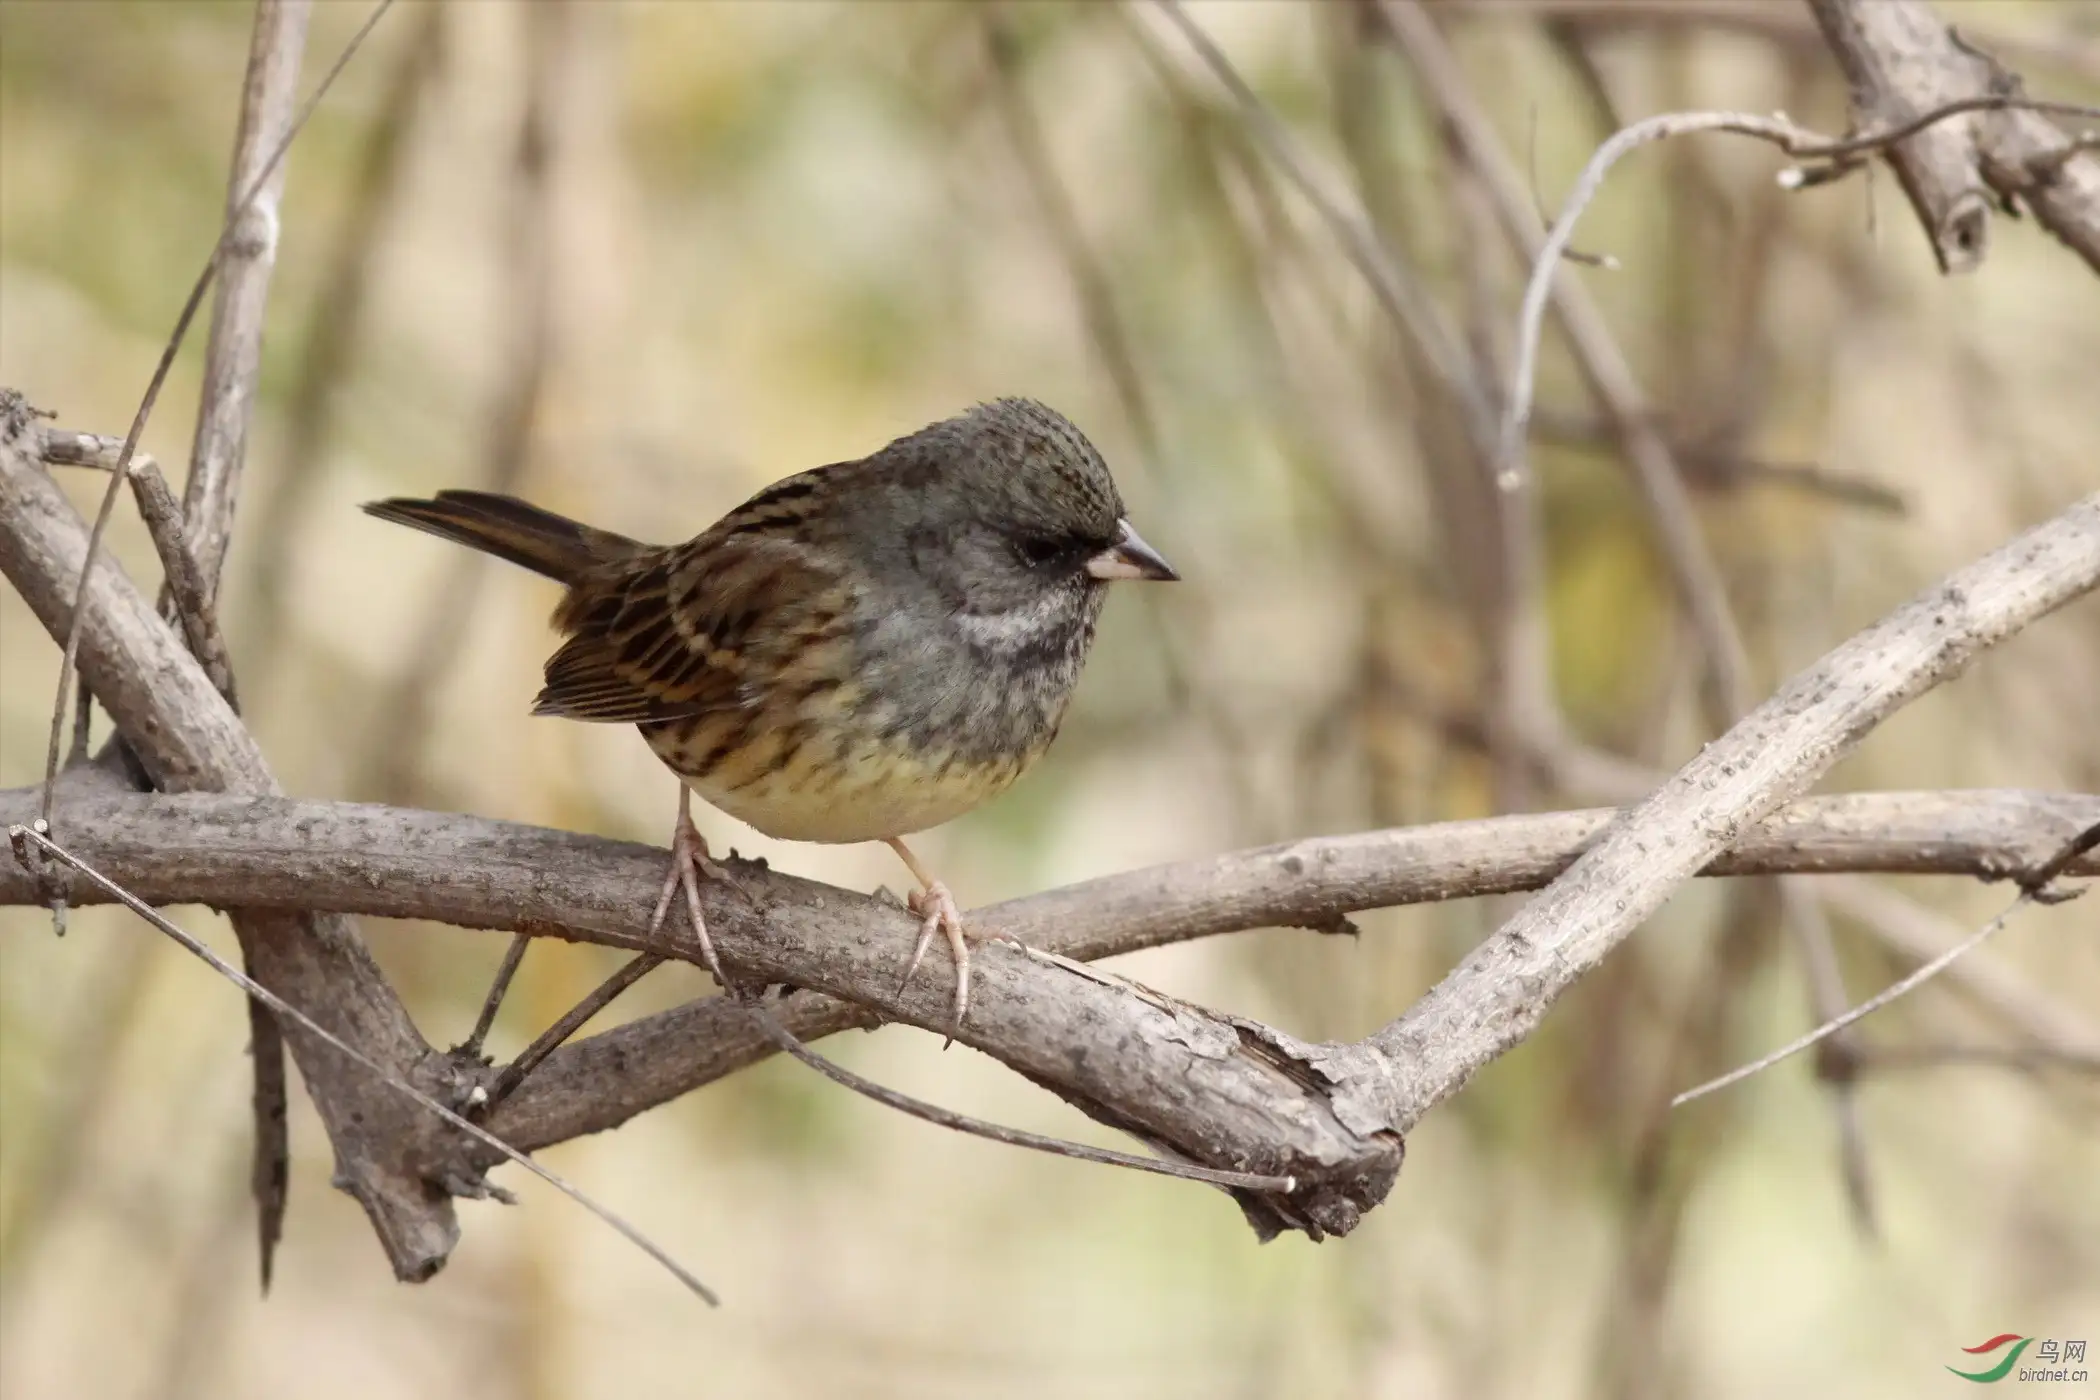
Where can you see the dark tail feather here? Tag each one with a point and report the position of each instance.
(509, 528)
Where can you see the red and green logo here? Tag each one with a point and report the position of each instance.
(2004, 1368)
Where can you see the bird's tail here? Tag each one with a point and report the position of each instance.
(508, 528)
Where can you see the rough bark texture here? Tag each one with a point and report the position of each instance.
(1902, 59)
(190, 740)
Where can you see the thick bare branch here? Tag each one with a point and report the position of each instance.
(190, 740)
(282, 853)
(286, 854)
(1902, 59)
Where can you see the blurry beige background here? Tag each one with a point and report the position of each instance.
(780, 234)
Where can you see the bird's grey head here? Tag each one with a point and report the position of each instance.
(1019, 523)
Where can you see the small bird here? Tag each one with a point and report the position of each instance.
(856, 653)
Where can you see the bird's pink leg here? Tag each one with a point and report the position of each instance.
(936, 907)
(690, 864)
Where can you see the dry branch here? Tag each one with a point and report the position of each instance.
(474, 872)
(1917, 934)
(189, 739)
(2036, 887)
(1901, 60)
(26, 839)
(164, 524)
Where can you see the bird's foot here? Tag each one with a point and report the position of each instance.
(936, 910)
(690, 864)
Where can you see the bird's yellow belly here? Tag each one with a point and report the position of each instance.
(809, 790)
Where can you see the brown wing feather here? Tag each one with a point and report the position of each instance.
(668, 635)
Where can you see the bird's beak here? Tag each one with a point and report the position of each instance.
(1130, 557)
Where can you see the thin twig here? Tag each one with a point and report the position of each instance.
(1824, 148)
(1917, 934)
(493, 1002)
(549, 1040)
(77, 753)
(37, 834)
(1719, 465)
(785, 1039)
(2034, 889)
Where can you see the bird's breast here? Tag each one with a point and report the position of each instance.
(847, 768)
(922, 724)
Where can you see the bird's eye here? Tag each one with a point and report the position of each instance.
(1037, 550)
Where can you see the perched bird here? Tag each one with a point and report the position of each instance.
(856, 653)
